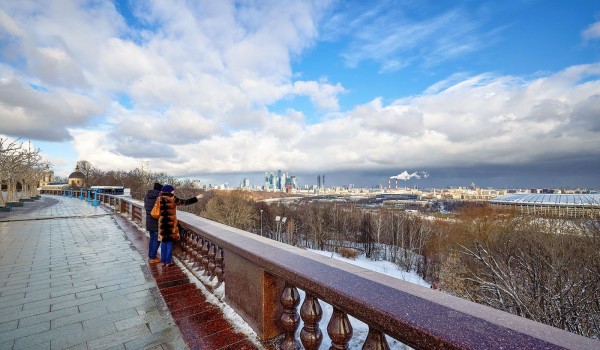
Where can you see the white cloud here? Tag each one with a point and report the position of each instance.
(386, 35)
(322, 94)
(482, 119)
(39, 114)
(592, 32)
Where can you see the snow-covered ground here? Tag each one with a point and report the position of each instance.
(360, 329)
(384, 267)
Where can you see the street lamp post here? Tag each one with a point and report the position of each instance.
(261, 211)
(280, 221)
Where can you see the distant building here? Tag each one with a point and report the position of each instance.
(245, 183)
(561, 205)
(77, 178)
(47, 178)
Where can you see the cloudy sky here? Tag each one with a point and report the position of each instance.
(502, 93)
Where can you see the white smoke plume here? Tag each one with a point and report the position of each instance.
(406, 176)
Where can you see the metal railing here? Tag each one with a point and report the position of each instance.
(261, 279)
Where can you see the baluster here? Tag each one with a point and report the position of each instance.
(181, 250)
(191, 238)
(185, 243)
(220, 268)
(339, 330)
(211, 261)
(197, 255)
(193, 247)
(290, 318)
(204, 261)
(311, 335)
(375, 340)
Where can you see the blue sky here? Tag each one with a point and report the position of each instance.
(361, 90)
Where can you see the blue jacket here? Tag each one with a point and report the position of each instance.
(149, 200)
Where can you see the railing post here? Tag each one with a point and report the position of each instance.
(311, 313)
(290, 318)
(186, 240)
(212, 252)
(204, 261)
(254, 294)
(375, 341)
(339, 330)
(219, 269)
(197, 253)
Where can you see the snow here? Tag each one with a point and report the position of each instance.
(384, 267)
(217, 298)
(360, 329)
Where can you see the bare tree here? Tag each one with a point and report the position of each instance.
(8, 155)
(545, 270)
(232, 208)
(86, 169)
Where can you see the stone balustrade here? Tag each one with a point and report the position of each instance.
(262, 278)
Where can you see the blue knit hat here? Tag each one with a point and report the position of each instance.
(168, 188)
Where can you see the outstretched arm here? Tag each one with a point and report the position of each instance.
(188, 201)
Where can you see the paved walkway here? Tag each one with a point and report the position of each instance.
(70, 277)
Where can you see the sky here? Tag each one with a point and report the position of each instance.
(500, 93)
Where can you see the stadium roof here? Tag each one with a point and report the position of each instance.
(585, 200)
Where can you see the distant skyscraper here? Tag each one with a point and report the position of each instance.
(318, 181)
(323, 181)
(279, 184)
(246, 183)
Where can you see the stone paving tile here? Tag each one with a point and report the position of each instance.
(78, 291)
(160, 324)
(50, 316)
(6, 345)
(78, 317)
(47, 336)
(76, 302)
(17, 312)
(82, 346)
(89, 290)
(138, 320)
(25, 331)
(118, 339)
(8, 326)
(166, 337)
(28, 305)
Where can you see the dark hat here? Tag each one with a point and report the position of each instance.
(157, 186)
(168, 188)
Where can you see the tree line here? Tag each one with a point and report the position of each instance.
(20, 164)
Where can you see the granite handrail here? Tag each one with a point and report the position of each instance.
(417, 316)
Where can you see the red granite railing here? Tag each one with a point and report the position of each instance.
(261, 279)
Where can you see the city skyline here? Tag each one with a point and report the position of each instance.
(486, 92)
